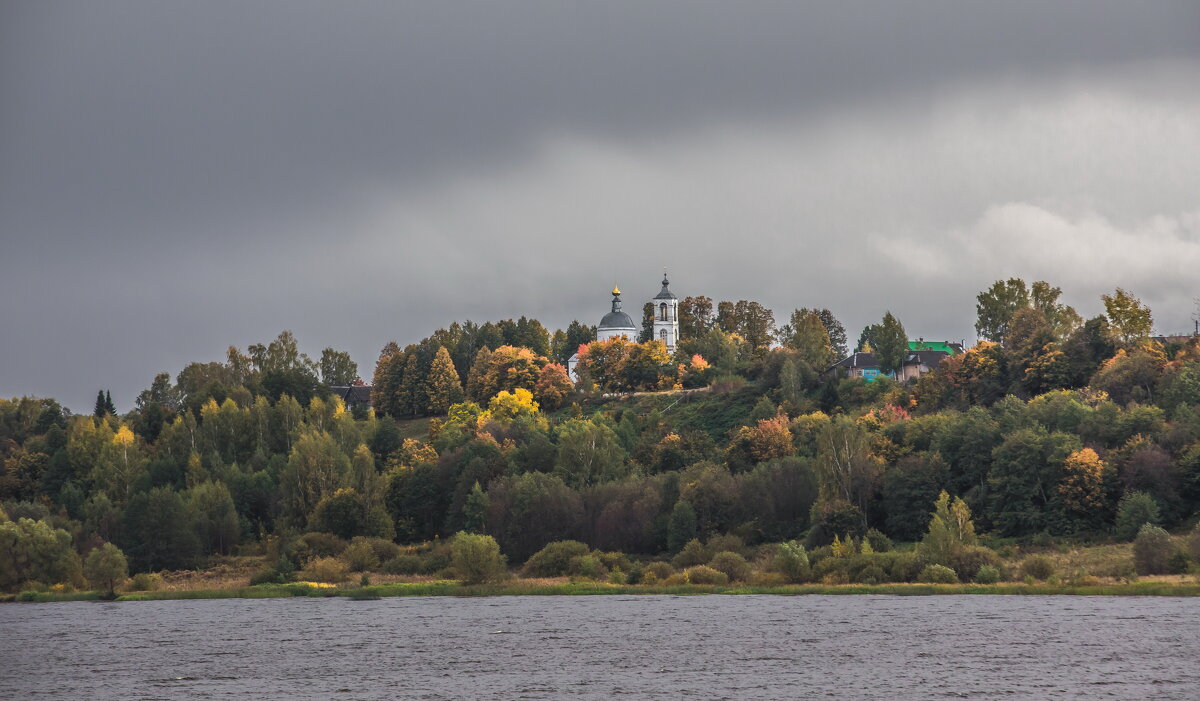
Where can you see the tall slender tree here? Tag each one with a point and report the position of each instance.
(647, 332)
(389, 372)
(444, 386)
(891, 344)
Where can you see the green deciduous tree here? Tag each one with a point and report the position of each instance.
(647, 332)
(576, 335)
(909, 487)
(119, 464)
(106, 567)
(867, 339)
(791, 561)
(996, 306)
(1062, 318)
(846, 468)
(681, 528)
(283, 369)
(1152, 550)
(157, 532)
(695, 316)
(837, 333)
(33, 550)
(316, 468)
(807, 335)
(950, 530)
(756, 324)
(214, 517)
(555, 560)
(716, 346)
(792, 382)
(1026, 470)
(588, 453)
(477, 558)
(527, 511)
(1129, 319)
(343, 513)
(1135, 510)
(475, 510)
(337, 369)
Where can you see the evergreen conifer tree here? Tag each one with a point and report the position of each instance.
(389, 372)
(891, 344)
(444, 386)
(476, 386)
(411, 388)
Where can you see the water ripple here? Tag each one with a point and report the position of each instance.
(735, 647)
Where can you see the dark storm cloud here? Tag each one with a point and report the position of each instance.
(178, 177)
(142, 113)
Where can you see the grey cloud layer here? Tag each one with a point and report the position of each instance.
(177, 178)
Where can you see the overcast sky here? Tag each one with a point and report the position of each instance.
(179, 177)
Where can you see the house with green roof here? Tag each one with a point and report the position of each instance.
(947, 347)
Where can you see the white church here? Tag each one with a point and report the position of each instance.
(618, 323)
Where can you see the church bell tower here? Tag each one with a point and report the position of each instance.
(666, 315)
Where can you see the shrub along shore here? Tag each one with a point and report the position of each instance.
(472, 565)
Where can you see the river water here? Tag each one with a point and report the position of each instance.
(704, 647)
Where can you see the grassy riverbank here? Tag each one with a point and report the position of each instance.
(538, 588)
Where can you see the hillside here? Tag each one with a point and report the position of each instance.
(1065, 431)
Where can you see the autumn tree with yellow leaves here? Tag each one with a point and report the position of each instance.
(1082, 489)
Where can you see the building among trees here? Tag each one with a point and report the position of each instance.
(922, 357)
(356, 395)
(616, 323)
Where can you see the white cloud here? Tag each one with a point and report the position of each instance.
(910, 207)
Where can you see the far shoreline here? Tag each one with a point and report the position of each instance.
(456, 589)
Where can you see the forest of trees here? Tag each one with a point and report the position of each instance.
(1051, 426)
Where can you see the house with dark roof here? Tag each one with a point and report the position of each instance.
(355, 396)
(922, 357)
